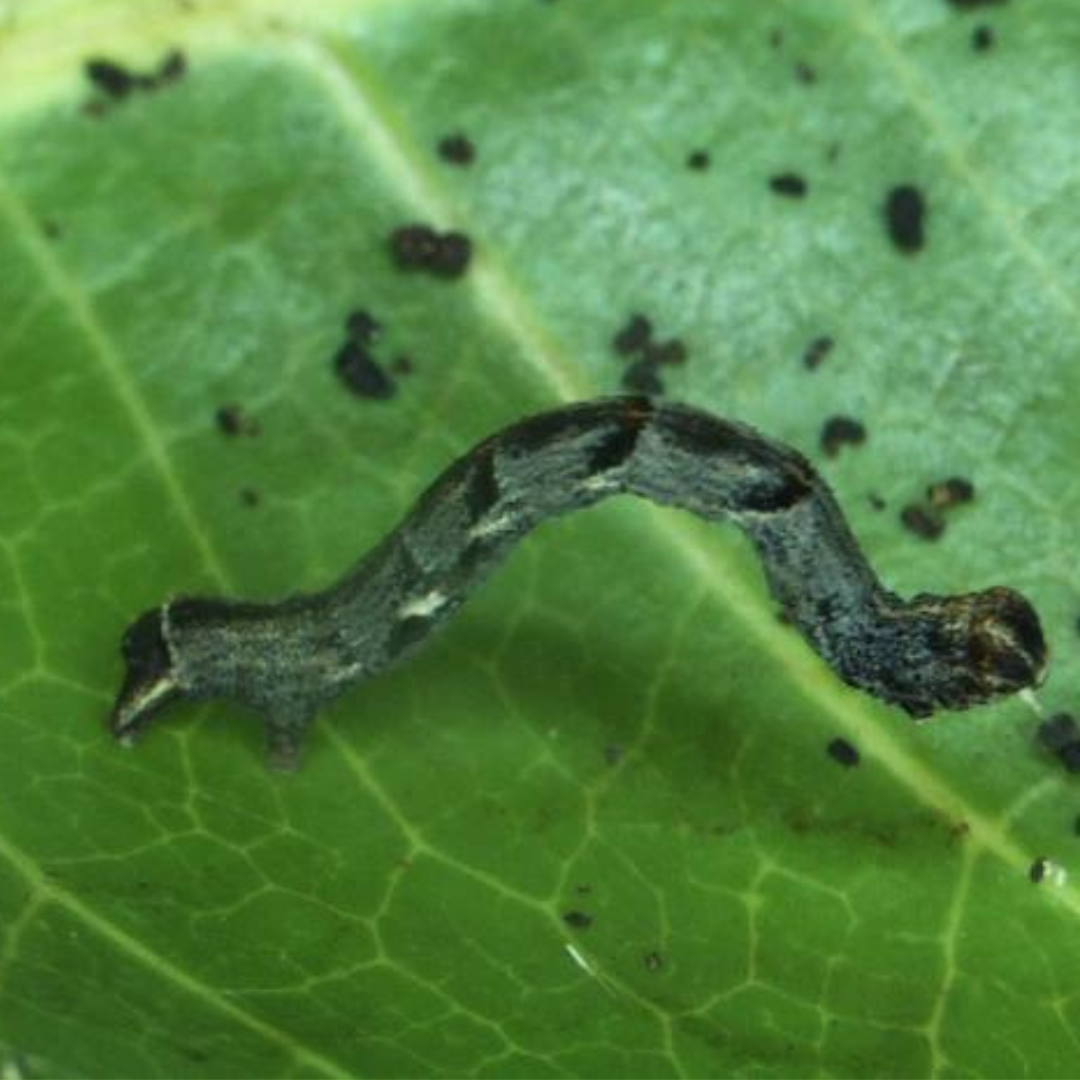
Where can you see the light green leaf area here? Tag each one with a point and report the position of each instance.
(618, 725)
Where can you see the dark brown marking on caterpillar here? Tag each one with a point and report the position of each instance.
(288, 659)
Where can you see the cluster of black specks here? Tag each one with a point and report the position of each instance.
(982, 38)
(905, 218)
(789, 184)
(842, 752)
(457, 149)
(698, 160)
(232, 420)
(420, 247)
(117, 82)
(839, 431)
(926, 519)
(634, 339)
(815, 353)
(1061, 736)
(579, 920)
(355, 365)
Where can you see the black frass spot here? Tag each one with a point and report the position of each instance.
(840, 431)
(232, 420)
(876, 501)
(362, 327)
(805, 73)
(790, 184)
(905, 215)
(111, 78)
(922, 521)
(420, 247)
(697, 160)
(1061, 736)
(362, 374)
(945, 494)
(457, 149)
(842, 752)
(579, 920)
(982, 38)
(116, 82)
(633, 336)
(1037, 870)
(250, 497)
(653, 961)
(815, 353)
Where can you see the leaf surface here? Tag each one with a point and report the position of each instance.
(618, 728)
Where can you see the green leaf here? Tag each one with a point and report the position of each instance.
(618, 725)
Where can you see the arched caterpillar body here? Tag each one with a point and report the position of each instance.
(288, 659)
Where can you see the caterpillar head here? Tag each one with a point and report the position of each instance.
(149, 683)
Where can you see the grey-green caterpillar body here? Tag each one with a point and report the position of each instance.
(289, 659)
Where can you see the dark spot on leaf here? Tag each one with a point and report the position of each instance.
(457, 149)
(361, 374)
(1076, 825)
(698, 160)
(633, 337)
(231, 420)
(250, 497)
(982, 38)
(876, 501)
(816, 351)
(1038, 868)
(922, 521)
(806, 74)
(111, 78)
(420, 247)
(579, 920)
(789, 184)
(1060, 734)
(841, 431)
(653, 961)
(402, 365)
(116, 82)
(776, 38)
(945, 494)
(362, 327)
(840, 750)
(51, 229)
(641, 377)
(905, 213)
(613, 754)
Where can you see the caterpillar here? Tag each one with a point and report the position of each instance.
(288, 659)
